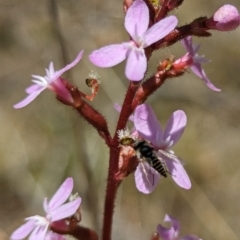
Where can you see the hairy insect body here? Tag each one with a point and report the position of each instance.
(147, 152)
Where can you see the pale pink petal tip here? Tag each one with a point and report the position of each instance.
(160, 29)
(199, 72)
(146, 178)
(28, 99)
(175, 126)
(178, 173)
(23, 230)
(62, 193)
(137, 19)
(225, 18)
(55, 75)
(65, 210)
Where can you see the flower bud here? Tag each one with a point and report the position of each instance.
(226, 18)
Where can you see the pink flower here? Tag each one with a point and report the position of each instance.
(226, 18)
(194, 61)
(136, 24)
(172, 233)
(37, 226)
(51, 81)
(148, 127)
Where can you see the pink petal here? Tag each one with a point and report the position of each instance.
(29, 98)
(178, 172)
(65, 210)
(58, 73)
(195, 49)
(109, 56)
(175, 126)
(62, 194)
(198, 71)
(187, 43)
(33, 88)
(147, 125)
(39, 233)
(23, 231)
(146, 178)
(51, 69)
(174, 223)
(137, 19)
(45, 205)
(136, 65)
(166, 233)
(159, 30)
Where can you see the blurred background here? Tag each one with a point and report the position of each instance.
(43, 143)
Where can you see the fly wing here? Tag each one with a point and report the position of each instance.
(171, 156)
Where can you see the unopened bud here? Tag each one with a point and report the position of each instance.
(226, 18)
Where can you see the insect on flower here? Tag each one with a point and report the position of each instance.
(148, 127)
(146, 152)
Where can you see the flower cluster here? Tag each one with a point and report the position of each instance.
(147, 127)
(136, 24)
(56, 209)
(52, 81)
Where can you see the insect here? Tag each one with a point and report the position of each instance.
(93, 82)
(147, 152)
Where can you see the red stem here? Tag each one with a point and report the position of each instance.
(111, 191)
(126, 108)
(147, 88)
(112, 182)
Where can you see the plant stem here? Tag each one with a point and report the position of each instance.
(126, 108)
(112, 182)
(111, 191)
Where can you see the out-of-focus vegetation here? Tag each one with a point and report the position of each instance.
(46, 141)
